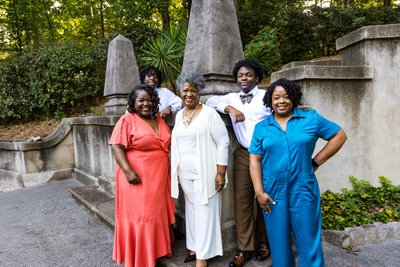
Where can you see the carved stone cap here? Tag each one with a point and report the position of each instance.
(390, 31)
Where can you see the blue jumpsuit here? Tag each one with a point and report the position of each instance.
(288, 178)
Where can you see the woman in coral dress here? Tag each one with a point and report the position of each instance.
(144, 209)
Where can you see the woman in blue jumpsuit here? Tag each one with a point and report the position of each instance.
(283, 173)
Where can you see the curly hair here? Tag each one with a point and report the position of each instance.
(193, 78)
(293, 90)
(249, 63)
(151, 70)
(153, 96)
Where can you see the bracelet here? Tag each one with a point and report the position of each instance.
(259, 194)
(314, 163)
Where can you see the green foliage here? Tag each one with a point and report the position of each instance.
(253, 15)
(365, 204)
(304, 33)
(139, 34)
(166, 52)
(296, 37)
(45, 82)
(31, 23)
(265, 48)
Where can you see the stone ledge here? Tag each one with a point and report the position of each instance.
(367, 233)
(332, 62)
(388, 31)
(59, 133)
(314, 72)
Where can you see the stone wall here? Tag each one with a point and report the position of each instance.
(361, 92)
(78, 147)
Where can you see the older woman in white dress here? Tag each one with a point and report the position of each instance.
(199, 158)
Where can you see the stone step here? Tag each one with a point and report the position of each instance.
(103, 206)
(97, 201)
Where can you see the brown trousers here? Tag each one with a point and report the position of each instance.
(248, 228)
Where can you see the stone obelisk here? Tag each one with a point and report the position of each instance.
(121, 75)
(213, 44)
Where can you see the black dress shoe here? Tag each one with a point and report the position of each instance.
(262, 251)
(190, 258)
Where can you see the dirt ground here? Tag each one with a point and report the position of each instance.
(23, 131)
(34, 129)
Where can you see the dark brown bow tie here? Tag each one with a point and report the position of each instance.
(246, 98)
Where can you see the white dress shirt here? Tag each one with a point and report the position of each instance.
(254, 112)
(167, 98)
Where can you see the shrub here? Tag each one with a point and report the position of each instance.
(265, 48)
(365, 204)
(310, 32)
(47, 81)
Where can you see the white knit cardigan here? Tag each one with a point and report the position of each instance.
(212, 143)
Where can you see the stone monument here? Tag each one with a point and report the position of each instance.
(122, 75)
(213, 44)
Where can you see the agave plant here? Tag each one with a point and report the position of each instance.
(166, 53)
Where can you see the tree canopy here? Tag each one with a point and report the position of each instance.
(27, 24)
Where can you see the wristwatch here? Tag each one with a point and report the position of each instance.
(314, 163)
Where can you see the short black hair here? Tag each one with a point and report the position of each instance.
(151, 69)
(292, 89)
(249, 63)
(153, 95)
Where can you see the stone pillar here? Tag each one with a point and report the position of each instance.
(121, 75)
(213, 44)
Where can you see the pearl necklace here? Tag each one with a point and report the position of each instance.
(188, 119)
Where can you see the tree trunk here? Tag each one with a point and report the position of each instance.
(49, 22)
(102, 33)
(164, 13)
(15, 22)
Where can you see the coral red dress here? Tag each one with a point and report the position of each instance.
(143, 212)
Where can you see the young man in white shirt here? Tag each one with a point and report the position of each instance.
(169, 102)
(245, 109)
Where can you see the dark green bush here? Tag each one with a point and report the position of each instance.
(265, 48)
(309, 33)
(45, 82)
(365, 204)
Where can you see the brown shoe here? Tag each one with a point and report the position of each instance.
(240, 258)
(262, 251)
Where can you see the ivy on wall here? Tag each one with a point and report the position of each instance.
(364, 204)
